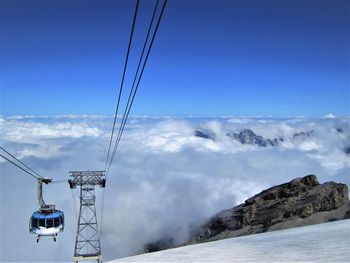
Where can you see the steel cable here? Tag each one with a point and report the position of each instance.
(26, 166)
(137, 85)
(123, 77)
(19, 166)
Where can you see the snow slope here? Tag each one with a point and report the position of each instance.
(317, 243)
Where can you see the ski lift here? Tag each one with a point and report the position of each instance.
(47, 221)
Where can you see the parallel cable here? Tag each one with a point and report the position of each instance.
(132, 96)
(59, 181)
(118, 101)
(31, 171)
(26, 166)
(122, 81)
(74, 205)
(137, 71)
(137, 85)
(102, 210)
(19, 166)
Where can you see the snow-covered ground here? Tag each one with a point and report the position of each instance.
(317, 243)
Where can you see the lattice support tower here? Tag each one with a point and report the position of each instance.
(87, 243)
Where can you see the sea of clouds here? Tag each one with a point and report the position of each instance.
(164, 180)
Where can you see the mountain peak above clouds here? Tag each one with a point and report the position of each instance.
(247, 136)
(302, 201)
(202, 134)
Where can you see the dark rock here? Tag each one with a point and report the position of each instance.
(303, 134)
(201, 134)
(347, 150)
(340, 130)
(158, 245)
(309, 180)
(347, 215)
(300, 200)
(247, 136)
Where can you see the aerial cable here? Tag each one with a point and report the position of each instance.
(19, 166)
(137, 85)
(138, 82)
(31, 171)
(59, 181)
(127, 109)
(123, 76)
(137, 70)
(100, 232)
(37, 175)
(74, 205)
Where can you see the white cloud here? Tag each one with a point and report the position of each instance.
(164, 180)
(329, 116)
(43, 139)
(25, 131)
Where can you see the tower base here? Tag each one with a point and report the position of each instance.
(97, 258)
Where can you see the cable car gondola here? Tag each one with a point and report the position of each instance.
(47, 221)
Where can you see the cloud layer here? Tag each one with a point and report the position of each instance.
(164, 182)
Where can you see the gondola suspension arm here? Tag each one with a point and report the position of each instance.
(42, 205)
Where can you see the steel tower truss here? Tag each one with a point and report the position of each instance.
(87, 243)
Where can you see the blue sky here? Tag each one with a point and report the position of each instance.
(243, 57)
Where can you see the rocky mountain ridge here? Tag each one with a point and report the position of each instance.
(302, 201)
(247, 136)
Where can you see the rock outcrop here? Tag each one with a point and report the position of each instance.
(302, 201)
(158, 245)
(203, 135)
(303, 134)
(247, 136)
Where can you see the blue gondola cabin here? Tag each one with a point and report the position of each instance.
(46, 223)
